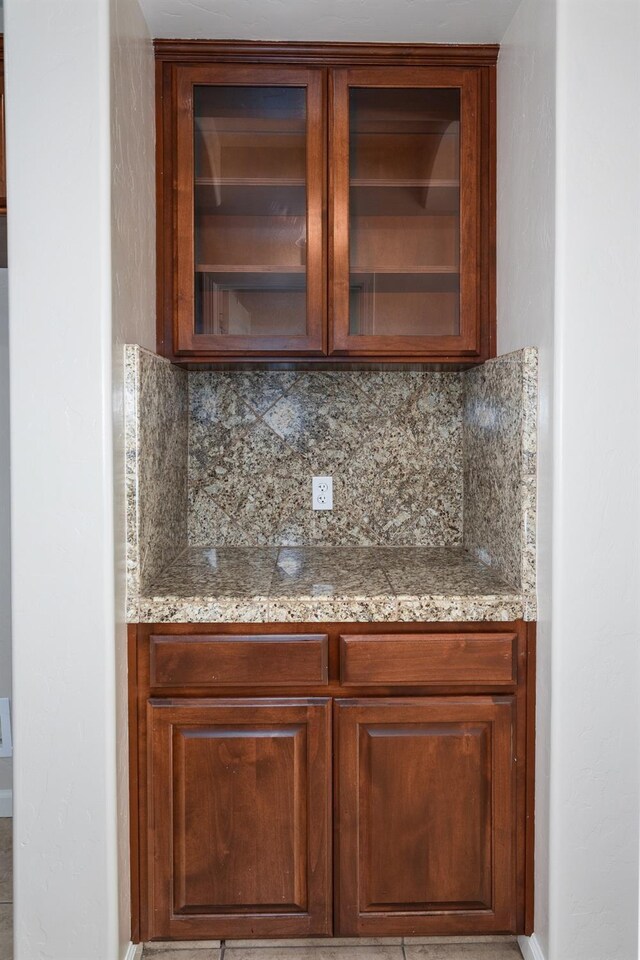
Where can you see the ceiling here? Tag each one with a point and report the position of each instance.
(418, 21)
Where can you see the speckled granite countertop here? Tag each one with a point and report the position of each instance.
(306, 584)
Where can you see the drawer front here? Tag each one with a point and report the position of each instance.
(428, 658)
(218, 660)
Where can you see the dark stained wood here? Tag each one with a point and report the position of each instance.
(328, 344)
(134, 786)
(3, 139)
(181, 120)
(530, 793)
(218, 660)
(240, 795)
(520, 837)
(403, 659)
(468, 341)
(259, 51)
(425, 835)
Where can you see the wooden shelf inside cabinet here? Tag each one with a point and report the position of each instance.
(404, 198)
(389, 182)
(248, 268)
(266, 197)
(437, 271)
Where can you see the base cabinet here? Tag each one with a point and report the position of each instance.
(424, 829)
(240, 806)
(336, 804)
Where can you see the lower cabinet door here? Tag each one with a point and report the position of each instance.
(239, 797)
(425, 829)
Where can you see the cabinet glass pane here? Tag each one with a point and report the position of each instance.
(250, 203)
(404, 213)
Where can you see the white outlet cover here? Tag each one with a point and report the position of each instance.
(322, 493)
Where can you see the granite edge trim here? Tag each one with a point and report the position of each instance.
(529, 482)
(260, 609)
(131, 460)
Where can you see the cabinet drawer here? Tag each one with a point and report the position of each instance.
(428, 658)
(245, 660)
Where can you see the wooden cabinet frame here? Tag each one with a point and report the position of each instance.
(327, 69)
(295, 735)
(313, 80)
(468, 342)
(377, 775)
(515, 696)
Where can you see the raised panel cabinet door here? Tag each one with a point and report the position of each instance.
(239, 821)
(425, 830)
(250, 185)
(407, 207)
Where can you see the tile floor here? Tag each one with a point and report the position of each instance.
(409, 948)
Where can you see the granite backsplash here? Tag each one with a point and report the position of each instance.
(425, 459)
(391, 441)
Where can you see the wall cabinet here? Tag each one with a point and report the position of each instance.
(326, 202)
(345, 806)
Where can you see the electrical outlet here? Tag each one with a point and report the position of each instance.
(6, 746)
(322, 493)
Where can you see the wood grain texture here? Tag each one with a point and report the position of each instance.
(218, 660)
(375, 345)
(3, 167)
(330, 53)
(239, 801)
(180, 119)
(426, 833)
(400, 659)
(518, 798)
(327, 342)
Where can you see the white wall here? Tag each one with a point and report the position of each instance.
(133, 317)
(69, 672)
(580, 74)
(57, 71)
(5, 539)
(526, 276)
(596, 596)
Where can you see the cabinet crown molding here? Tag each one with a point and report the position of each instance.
(326, 53)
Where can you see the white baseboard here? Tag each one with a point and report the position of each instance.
(134, 952)
(6, 803)
(530, 948)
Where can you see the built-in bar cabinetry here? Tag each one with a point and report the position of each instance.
(296, 780)
(326, 201)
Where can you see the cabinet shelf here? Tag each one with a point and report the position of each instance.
(435, 271)
(257, 197)
(404, 281)
(248, 268)
(249, 181)
(399, 183)
(254, 277)
(404, 198)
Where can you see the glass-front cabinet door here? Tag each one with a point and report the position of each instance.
(405, 230)
(251, 162)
